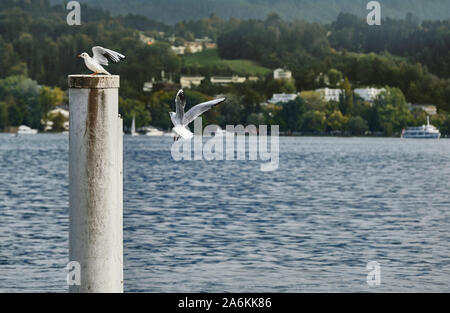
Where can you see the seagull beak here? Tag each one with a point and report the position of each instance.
(79, 55)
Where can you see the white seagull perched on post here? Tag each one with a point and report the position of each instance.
(101, 57)
(181, 120)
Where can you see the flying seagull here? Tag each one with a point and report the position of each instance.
(101, 57)
(181, 120)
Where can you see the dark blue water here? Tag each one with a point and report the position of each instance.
(333, 205)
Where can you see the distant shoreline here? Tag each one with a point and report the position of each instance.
(281, 135)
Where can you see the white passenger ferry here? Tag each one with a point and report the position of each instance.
(425, 131)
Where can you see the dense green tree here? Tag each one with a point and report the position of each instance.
(58, 123)
(314, 121)
(419, 117)
(21, 95)
(49, 98)
(272, 115)
(292, 114)
(230, 111)
(131, 108)
(280, 86)
(314, 101)
(4, 121)
(256, 119)
(425, 42)
(357, 126)
(10, 63)
(442, 122)
(346, 98)
(160, 104)
(393, 113)
(335, 77)
(336, 121)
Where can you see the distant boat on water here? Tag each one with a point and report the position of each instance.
(422, 132)
(133, 127)
(169, 134)
(152, 131)
(219, 132)
(25, 130)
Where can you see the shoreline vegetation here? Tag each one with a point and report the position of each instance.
(407, 58)
(281, 134)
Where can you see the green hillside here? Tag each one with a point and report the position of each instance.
(211, 57)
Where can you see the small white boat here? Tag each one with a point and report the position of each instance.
(223, 132)
(422, 132)
(219, 132)
(133, 128)
(25, 130)
(152, 131)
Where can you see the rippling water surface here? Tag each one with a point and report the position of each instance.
(333, 205)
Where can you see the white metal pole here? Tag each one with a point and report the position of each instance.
(95, 183)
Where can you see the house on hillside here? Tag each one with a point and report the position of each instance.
(227, 80)
(193, 47)
(166, 82)
(206, 42)
(148, 86)
(205, 39)
(179, 50)
(189, 81)
(329, 94)
(281, 73)
(282, 97)
(368, 94)
(430, 109)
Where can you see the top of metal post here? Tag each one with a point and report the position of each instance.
(94, 82)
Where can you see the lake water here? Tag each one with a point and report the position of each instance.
(333, 205)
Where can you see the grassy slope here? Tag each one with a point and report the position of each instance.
(211, 57)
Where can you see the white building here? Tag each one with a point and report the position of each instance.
(203, 40)
(368, 94)
(282, 97)
(180, 50)
(189, 81)
(227, 80)
(280, 73)
(430, 109)
(148, 86)
(193, 47)
(253, 78)
(330, 94)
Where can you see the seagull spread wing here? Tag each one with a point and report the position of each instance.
(199, 109)
(103, 55)
(180, 102)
